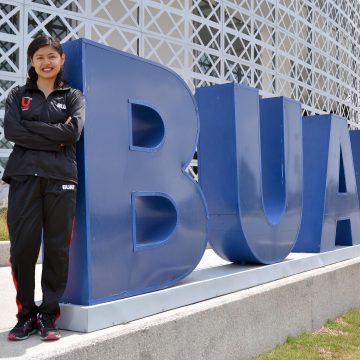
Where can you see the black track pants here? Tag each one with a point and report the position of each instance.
(40, 208)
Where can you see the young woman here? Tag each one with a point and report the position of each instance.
(44, 119)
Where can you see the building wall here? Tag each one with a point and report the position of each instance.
(306, 50)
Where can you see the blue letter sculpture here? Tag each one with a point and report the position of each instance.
(355, 147)
(252, 179)
(141, 220)
(331, 208)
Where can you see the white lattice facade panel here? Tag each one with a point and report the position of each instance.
(44, 20)
(305, 50)
(124, 13)
(172, 54)
(124, 39)
(160, 19)
(11, 49)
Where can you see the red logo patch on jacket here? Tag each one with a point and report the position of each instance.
(25, 103)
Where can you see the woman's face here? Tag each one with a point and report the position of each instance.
(47, 62)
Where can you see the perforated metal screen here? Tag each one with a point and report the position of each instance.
(306, 50)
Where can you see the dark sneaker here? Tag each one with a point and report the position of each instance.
(47, 327)
(23, 329)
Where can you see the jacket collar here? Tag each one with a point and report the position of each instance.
(32, 86)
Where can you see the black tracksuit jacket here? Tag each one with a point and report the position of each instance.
(44, 145)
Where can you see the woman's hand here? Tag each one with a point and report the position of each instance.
(68, 121)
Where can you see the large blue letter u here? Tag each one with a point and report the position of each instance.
(250, 167)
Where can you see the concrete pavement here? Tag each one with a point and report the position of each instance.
(34, 348)
(231, 327)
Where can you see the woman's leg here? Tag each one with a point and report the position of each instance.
(25, 225)
(59, 211)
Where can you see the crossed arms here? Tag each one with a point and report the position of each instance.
(39, 135)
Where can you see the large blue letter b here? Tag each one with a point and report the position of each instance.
(141, 220)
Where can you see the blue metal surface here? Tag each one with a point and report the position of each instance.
(355, 147)
(252, 179)
(331, 208)
(78, 290)
(142, 220)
